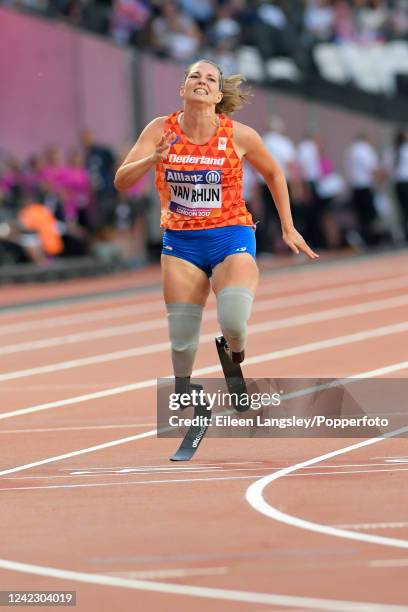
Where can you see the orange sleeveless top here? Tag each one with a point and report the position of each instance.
(200, 186)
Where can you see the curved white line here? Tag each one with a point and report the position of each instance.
(254, 496)
(312, 603)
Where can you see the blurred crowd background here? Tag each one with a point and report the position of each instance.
(60, 203)
(183, 28)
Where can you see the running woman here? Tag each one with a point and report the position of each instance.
(208, 232)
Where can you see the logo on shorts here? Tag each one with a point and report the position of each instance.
(168, 248)
(240, 249)
(222, 144)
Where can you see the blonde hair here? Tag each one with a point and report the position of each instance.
(234, 96)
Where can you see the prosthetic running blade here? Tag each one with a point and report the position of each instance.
(195, 433)
(233, 376)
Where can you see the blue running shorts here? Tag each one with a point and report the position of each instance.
(209, 247)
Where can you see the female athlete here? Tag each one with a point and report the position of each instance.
(208, 232)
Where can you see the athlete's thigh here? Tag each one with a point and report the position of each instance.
(183, 281)
(237, 270)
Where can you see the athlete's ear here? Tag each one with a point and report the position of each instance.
(220, 97)
(182, 89)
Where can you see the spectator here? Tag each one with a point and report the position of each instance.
(128, 20)
(10, 179)
(398, 20)
(77, 186)
(330, 187)
(100, 164)
(131, 210)
(396, 161)
(343, 23)
(201, 11)
(36, 217)
(225, 27)
(363, 170)
(31, 176)
(319, 18)
(283, 150)
(371, 19)
(308, 156)
(174, 33)
(52, 172)
(310, 167)
(272, 33)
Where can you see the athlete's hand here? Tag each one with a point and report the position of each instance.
(296, 243)
(164, 144)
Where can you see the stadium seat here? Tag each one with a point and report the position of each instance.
(250, 63)
(282, 68)
(364, 70)
(330, 63)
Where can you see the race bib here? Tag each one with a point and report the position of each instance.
(195, 193)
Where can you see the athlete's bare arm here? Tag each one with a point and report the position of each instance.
(152, 146)
(249, 144)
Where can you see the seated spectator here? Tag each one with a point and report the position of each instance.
(52, 172)
(10, 175)
(36, 217)
(77, 190)
(225, 26)
(128, 19)
(202, 11)
(31, 176)
(174, 33)
(344, 29)
(371, 20)
(318, 19)
(398, 21)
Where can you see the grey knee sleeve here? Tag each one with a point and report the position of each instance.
(184, 331)
(234, 306)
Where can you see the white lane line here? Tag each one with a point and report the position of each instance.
(83, 428)
(82, 451)
(211, 314)
(254, 496)
(213, 369)
(172, 573)
(285, 323)
(377, 372)
(80, 398)
(389, 563)
(89, 316)
(156, 466)
(309, 279)
(123, 483)
(373, 526)
(310, 603)
(98, 334)
(96, 472)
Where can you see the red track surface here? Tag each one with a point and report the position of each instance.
(132, 525)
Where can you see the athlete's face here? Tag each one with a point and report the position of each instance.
(202, 84)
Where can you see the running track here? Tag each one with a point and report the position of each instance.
(90, 502)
